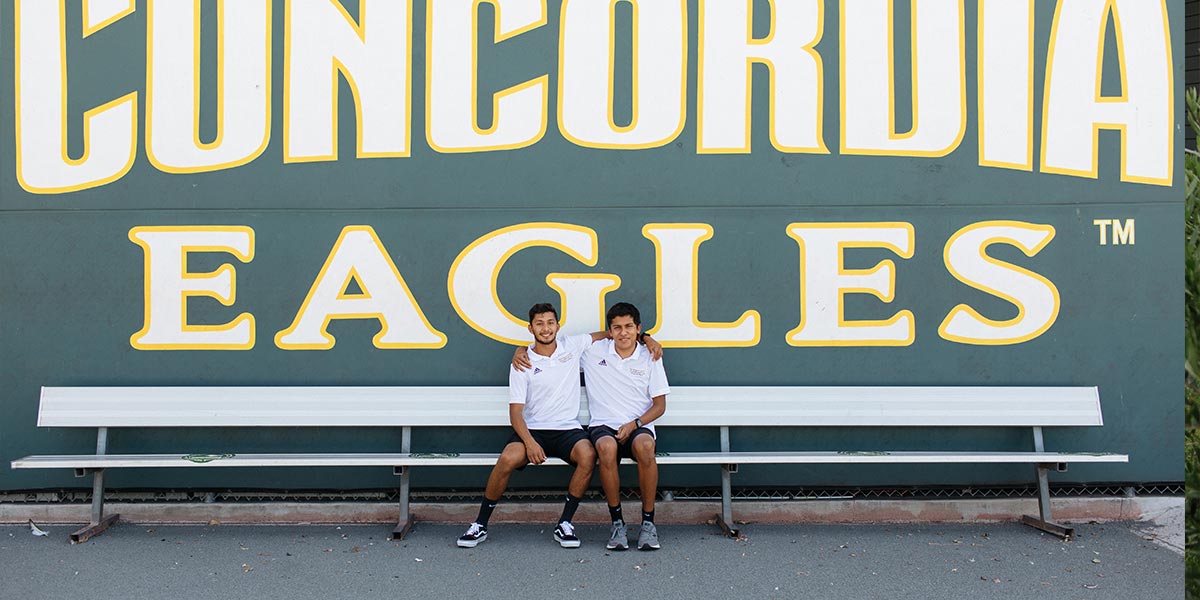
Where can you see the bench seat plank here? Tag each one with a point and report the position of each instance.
(87, 461)
(488, 406)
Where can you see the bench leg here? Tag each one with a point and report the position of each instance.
(1044, 521)
(99, 522)
(725, 517)
(406, 520)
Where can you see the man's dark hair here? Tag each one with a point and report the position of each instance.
(544, 307)
(622, 309)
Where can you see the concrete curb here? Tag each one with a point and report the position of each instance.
(1141, 508)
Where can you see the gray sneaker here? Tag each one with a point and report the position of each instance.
(618, 539)
(648, 540)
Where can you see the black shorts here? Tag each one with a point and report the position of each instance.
(624, 449)
(554, 442)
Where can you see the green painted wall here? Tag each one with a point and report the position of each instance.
(71, 282)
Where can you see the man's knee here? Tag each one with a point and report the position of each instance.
(584, 455)
(513, 457)
(643, 449)
(606, 450)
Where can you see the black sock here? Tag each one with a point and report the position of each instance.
(568, 512)
(615, 513)
(485, 510)
(647, 517)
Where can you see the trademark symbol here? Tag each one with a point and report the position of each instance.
(1122, 234)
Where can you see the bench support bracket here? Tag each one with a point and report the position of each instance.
(1044, 521)
(98, 522)
(406, 520)
(725, 517)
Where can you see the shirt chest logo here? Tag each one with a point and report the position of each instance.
(536, 370)
(637, 372)
(567, 358)
(603, 363)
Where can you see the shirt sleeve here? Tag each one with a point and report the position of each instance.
(658, 379)
(518, 386)
(580, 343)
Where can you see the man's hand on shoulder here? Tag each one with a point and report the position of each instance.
(520, 359)
(655, 348)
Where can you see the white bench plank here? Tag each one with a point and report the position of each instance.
(488, 406)
(87, 461)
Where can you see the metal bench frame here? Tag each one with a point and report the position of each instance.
(408, 407)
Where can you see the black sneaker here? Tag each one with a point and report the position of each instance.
(475, 534)
(565, 535)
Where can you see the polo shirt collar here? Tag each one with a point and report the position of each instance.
(612, 350)
(535, 356)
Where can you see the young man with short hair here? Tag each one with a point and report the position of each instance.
(544, 412)
(627, 390)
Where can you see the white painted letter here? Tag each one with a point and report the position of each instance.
(1006, 84)
(243, 110)
(726, 54)
(472, 280)
(824, 282)
(373, 55)
(585, 85)
(582, 297)
(109, 130)
(1035, 297)
(359, 256)
(677, 249)
(518, 113)
(169, 285)
(938, 81)
(1074, 110)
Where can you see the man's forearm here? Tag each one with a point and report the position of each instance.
(658, 408)
(517, 418)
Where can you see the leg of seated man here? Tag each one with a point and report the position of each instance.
(610, 480)
(643, 452)
(511, 458)
(606, 451)
(583, 456)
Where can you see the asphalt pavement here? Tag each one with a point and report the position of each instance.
(1008, 560)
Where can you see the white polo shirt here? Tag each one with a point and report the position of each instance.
(620, 389)
(550, 388)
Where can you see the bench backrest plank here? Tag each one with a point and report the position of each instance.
(488, 406)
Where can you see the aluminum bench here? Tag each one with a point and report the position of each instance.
(408, 407)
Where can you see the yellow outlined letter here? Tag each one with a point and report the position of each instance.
(677, 253)
(243, 110)
(868, 79)
(1035, 297)
(586, 57)
(98, 14)
(726, 55)
(359, 256)
(321, 41)
(472, 280)
(1006, 84)
(824, 281)
(1073, 110)
(451, 122)
(40, 76)
(169, 285)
